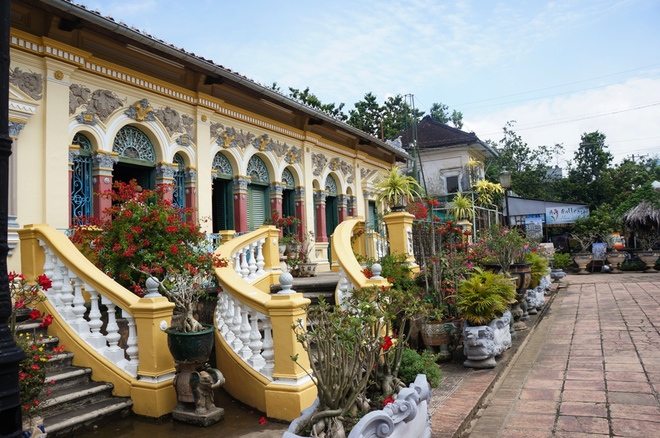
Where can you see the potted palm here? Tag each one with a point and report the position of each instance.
(483, 300)
(396, 189)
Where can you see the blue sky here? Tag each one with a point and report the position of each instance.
(558, 68)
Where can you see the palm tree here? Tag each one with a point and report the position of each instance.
(396, 189)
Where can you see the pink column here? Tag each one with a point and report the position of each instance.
(102, 182)
(191, 194)
(351, 205)
(276, 190)
(319, 210)
(240, 204)
(300, 211)
(165, 180)
(342, 208)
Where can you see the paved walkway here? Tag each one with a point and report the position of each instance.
(590, 368)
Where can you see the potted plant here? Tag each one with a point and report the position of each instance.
(648, 241)
(298, 260)
(483, 300)
(462, 207)
(396, 189)
(288, 226)
(561, 261)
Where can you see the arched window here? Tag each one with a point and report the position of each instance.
(81, 181)
(223, 205)
(137, 157)
(258, 199)
(288, 194)
(331, 209)
(179, 195)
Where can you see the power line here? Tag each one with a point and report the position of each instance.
(558, 86)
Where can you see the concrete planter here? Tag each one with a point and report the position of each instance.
(481, 344)
(407, 417)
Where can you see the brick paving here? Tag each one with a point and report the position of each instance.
(589, 367)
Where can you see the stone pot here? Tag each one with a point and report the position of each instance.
(190, 347)
(307, 269)
(522, 272)
(649, 258)
(441, 334)
(616, 259)
(582, 260)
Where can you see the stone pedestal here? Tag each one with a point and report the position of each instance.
(194, 384)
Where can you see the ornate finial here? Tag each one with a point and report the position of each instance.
(376, 269)
(286, 281)
(152, 288)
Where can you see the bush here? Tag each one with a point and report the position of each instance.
(562, 260)
(633, 265)
(413, 363)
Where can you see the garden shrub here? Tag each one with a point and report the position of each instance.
(413, 363)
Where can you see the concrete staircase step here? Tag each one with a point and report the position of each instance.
(75, 397)
(103, 411)
(67, 377)
(60, 360)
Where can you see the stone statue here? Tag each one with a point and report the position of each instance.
(482, 343)
(203, 383)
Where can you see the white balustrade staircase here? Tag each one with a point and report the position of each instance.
(75, 401)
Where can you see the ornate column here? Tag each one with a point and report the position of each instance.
(276, 190)
(103, 164)
(165, 180)
(74, 151)
(300, 211)
(342, 201)
(191, 193)
(399, 228)
(319, 210)
(350, 205)
(240, 203)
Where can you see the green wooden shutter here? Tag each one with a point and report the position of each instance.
(257, 208)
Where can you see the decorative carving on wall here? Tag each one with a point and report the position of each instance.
(262, 143)
(15, 128)
(78, 96)
(165, 170)
(347, 170)
(104, 160)
(279, 148)
(170, 119)
(216, 129)
(318, 163)
(87, 118)
(103, 103)
(183, 140)
(226, 138)
(141, 111)
(293, 155)
(243, 139)
(364, 172)
(28, 82)
(188, 125)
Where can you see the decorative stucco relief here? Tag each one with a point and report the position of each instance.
(103, 103)
(141, 111)
(346, 169)
(364, 173)
(318, 163)
(28, 82)
(78, 96)
(170, 119)
(293, 155)
(231, 138)
(262, 143)
(216, 129)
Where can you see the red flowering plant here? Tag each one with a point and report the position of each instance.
(32, 370)
(288, 226)
(145, 236)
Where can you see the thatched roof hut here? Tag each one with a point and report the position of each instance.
(643, 215)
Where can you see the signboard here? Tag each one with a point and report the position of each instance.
(565, 215)
(534, 226)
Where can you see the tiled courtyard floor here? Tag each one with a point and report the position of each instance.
(590, 368)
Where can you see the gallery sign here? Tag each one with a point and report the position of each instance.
(565, 215)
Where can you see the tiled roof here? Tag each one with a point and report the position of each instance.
(432, 134)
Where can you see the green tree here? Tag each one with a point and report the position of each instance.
(310, 99)
(528, 166)
(440, 113)
(367, 115)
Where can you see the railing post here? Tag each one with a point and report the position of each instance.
(155, 361)
(32, 254)
(270, 251)
(399, 230)
(291, 390)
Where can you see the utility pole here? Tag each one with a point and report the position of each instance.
(11, 354)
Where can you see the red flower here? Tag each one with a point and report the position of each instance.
(387, 401)
(44, 282)
(48, 320)
(263, 421)
(367, 272)
(387, 344)
(35, 314)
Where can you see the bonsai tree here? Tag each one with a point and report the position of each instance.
(484, 296)
(396, 189)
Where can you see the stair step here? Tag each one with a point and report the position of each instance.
(93, 413)
(75, 397)
(68, 376)
(60, 360)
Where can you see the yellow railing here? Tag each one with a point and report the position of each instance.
(255, 340)
(146, 375)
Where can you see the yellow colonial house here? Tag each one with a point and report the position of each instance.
(93, 101)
